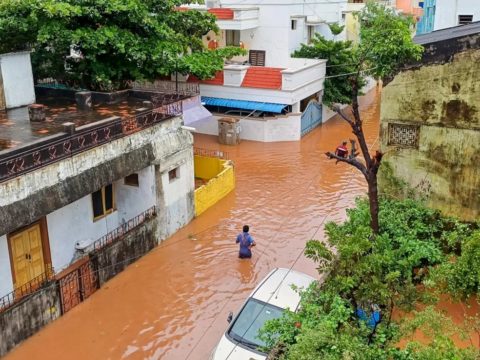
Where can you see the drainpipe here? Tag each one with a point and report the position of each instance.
(455, 14)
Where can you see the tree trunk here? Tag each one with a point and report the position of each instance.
(373, 199)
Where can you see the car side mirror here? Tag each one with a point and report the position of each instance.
(230, 317)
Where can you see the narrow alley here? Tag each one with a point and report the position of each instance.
(173, 303)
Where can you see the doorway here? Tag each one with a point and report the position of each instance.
(29, 253)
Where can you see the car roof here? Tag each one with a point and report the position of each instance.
(276, 288)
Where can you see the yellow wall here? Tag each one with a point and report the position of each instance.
(221, 180)
(207, 167)
(352, 26)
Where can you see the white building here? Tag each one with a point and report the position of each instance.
(63, 192)
(449, 13)
(276, 97)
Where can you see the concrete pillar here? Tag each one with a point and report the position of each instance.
(36, 112)
(69, 128)
(296, 107)
(84, 100)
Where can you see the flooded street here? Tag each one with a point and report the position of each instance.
(173, 303)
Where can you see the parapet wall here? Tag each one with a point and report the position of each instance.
(221, 181)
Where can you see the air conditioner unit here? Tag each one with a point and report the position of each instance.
(82, 245)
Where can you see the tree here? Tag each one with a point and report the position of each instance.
(386, 44)
(388, 270)
(113, 42)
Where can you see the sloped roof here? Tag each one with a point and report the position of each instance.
(263, 77)
(222, 13)
(217, 80)
(448, 33)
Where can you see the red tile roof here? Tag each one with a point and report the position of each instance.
(263, 77)
(217, 80)
(222, 13)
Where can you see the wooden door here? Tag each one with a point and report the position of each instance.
(27, 255)
(21, 266)
(35, 256)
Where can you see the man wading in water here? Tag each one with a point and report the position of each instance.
(246, 243)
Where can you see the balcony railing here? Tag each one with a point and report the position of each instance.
(16, 295)
(61, 146)
(120, 231)
(211, 153)
(166, 86)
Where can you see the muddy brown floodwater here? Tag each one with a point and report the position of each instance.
(173, 303)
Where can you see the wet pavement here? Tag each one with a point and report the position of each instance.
(16, 128)
(173, 303)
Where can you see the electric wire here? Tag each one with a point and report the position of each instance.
(134, 258)
(293, 264)
(255, 263)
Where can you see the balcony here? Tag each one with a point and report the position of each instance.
(236, 19)
(300, 79)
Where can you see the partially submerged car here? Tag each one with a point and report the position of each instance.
(275, 293)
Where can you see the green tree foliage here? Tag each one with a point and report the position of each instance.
(386, 44)
(339, 55)
(386, 270)
(117, 40)
(460, 275)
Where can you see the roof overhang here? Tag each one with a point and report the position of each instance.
(243, 104)
(314, 20)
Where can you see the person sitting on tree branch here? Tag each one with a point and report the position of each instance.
(341, 150)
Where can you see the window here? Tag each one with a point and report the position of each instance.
(232, 37)
(465, 19)
(256, 57)
(132, 180)
(250, 320)
(103, 202)
(294, 24)
(403, 135)
(174, 174)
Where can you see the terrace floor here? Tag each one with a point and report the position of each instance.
(16, 128)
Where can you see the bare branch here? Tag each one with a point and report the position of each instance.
(352, 161)
(340, 112)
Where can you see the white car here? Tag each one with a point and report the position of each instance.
(270, 298)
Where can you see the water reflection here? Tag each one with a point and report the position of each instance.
(173, 303)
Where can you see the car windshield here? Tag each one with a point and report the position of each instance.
(250, 320)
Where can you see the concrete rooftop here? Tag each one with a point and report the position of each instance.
(16, 128)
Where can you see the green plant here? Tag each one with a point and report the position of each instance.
(386, 44)
(460, 275)
(112, 42)
(387, 270)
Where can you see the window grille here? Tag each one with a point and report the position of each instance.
(256, 57)
(465, 19)
(403, 135)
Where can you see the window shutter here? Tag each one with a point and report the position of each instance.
(257, 57)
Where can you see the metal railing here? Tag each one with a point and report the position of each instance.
(87, 137)
(167, 86)
(28, 288)
(116, 234)
(210, 153)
